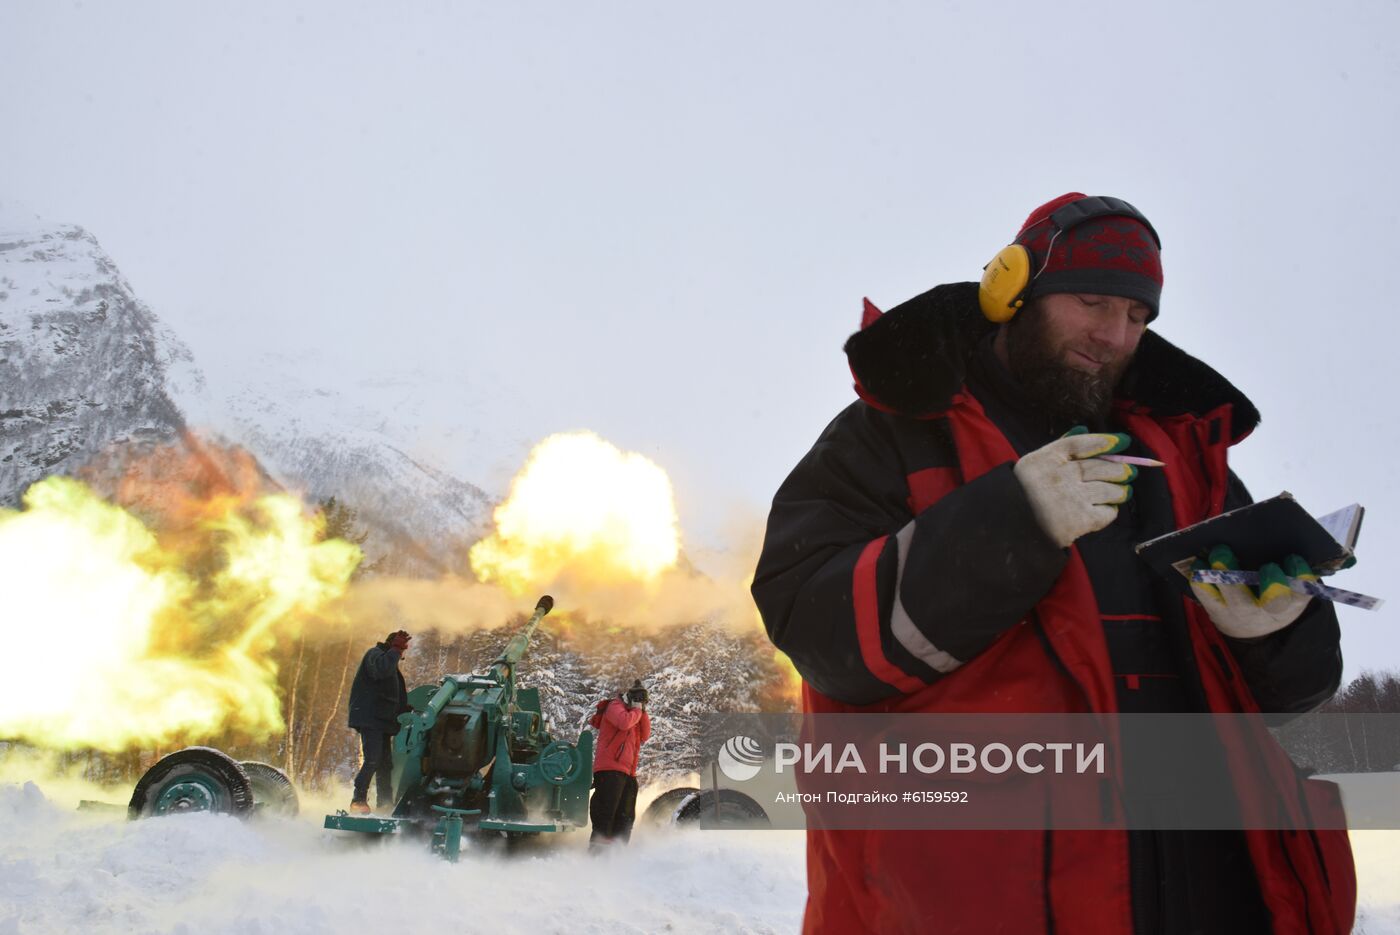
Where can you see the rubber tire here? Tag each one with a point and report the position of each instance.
(662, 809)
(227, 776)
(735, 809)
(273, 792)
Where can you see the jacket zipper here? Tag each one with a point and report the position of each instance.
(1134, 892)
(1048, 846)
(621, 746)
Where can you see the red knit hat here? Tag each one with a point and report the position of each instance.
(1109, 255)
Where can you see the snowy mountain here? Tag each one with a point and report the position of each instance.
(84, 365)
(319, 443)
(87, 369)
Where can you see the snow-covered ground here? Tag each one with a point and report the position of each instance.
(63, 870)
(1377, 881)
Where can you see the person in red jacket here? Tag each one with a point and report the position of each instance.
(953, 543)
(623, 726)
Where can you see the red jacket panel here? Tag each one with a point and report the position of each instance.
(621, 733)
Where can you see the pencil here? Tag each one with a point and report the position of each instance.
(1132, 459)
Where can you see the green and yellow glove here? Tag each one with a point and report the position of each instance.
(1071, 491)
(1243, 612)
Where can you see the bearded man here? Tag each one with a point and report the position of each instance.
(955, 542)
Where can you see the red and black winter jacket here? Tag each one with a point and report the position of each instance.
(622, 729)
(903, 570)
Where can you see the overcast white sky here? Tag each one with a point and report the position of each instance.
(657, 221)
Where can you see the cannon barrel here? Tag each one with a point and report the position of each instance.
(515, 649)
(513, 653)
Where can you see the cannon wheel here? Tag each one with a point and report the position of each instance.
(195, 779)
(272, 790)
(735, 809)
(662, 809)
(559, 762)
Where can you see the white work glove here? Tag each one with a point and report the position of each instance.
(1071, 491)
(1240, 611)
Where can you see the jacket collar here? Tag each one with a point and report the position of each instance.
(913, 361)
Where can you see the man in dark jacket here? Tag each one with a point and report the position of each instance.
(955, 543)
(377, 697)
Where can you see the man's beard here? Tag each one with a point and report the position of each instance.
(1065, 395)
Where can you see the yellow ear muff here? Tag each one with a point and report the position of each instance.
(1004, 282)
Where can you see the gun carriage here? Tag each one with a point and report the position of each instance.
(475, 755)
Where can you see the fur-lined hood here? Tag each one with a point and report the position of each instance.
(913, 360)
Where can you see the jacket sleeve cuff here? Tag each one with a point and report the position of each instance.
(1298, 668)
(977, 564)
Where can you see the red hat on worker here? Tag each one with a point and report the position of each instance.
(1104, 255)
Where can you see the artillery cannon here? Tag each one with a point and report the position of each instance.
(474, 754)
